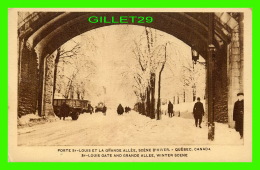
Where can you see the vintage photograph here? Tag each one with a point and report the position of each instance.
(133, 78)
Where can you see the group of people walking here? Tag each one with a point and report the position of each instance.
(121, 110)
(198, 112)
(238, 114)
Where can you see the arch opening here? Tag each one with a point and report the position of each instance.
(187, 27)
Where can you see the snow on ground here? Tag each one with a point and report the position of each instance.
(25, 120)
(130, 129)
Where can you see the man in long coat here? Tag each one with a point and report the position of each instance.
(170, 109)
(198, 112)
(238, 114)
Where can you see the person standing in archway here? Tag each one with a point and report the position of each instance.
(238, 114)
(198, 112)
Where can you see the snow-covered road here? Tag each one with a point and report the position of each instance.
(130, 129)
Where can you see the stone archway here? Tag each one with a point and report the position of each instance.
(40, 34)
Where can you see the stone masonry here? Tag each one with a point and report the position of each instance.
(28, 80)
(235, 65)
(47, 109)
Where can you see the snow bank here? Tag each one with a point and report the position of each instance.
(33, 119)
(26, 119)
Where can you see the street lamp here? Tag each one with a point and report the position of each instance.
(212, 48)
(195, 56)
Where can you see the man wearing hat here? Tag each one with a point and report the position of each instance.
(238, 114)
(198, 112)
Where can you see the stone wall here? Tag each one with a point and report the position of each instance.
(28, 80)
(220, 86)
(235, 71)
(47, 109)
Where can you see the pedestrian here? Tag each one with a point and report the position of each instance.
(104, 110)
(64, 110)
(198, 112)
(170, 109)
(90, 109)
(127, 109)
(120, 109)
(238, 114)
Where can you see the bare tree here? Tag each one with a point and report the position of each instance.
(159, 84)
(74, 66)
(61, 54)
(146, 52)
